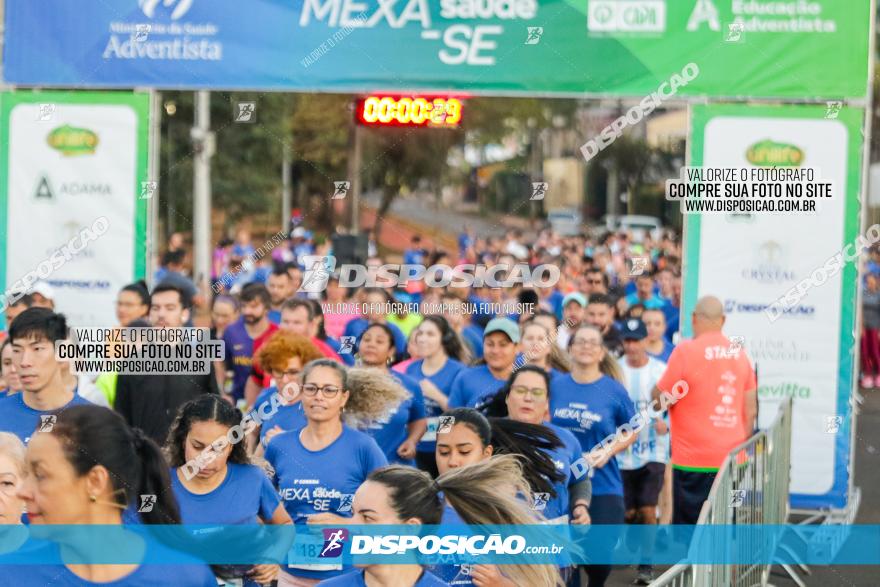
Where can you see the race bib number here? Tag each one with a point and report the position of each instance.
(309, 546)
(430, 434)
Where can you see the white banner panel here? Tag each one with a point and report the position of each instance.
(750, 260)
(73, 183)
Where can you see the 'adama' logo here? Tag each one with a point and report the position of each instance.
(334, 542)
(149, 7)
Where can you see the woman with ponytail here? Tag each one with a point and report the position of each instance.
(526, 398)
(87, 470)
(473, 438)
(484, 493)
(214, 481)
(591, 403)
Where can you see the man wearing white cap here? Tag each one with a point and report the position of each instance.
(43, 296)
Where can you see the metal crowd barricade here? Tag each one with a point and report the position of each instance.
(751, 488)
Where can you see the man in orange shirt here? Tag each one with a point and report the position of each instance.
(718, 412)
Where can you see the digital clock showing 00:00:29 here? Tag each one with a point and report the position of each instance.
(409, 111)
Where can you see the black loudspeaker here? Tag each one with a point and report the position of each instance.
(349, 249)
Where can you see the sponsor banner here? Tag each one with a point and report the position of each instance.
(766, 48)
(304, 544)
(804, 349)
(72, 211)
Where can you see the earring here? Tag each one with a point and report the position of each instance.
(92, 498)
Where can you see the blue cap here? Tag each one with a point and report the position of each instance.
(505, 325)
(575, 296)
(633, 329)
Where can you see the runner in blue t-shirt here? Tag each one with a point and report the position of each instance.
(116, 465)
(591, 403)
(319, 467)
(441, 352)
(398, 433)
(220, 487)
(44, 395)
(464, 455)
(473, 386)
(525, 398)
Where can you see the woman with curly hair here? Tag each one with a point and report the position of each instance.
(283, 356)
(214, 482)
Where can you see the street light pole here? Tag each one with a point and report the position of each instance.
(286, 187)
(203, 145)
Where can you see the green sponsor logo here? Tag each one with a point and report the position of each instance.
(786, 389)
(69, 140)
(769, 153)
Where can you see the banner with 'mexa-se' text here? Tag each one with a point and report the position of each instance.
(742, 48)
(788, 280)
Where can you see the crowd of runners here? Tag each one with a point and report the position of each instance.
(440, 415)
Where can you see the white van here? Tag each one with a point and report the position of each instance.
(637, 225)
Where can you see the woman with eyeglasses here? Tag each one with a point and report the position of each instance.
(402, 495)
(591, 403)
(214, 482)
(132, 303)
(87, 470)
(319, 467)
(440, 349)
(283, 356)
(471, 438)
(397, 433)
(526, 398)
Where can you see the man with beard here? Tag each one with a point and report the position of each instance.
(151, 402)
(280, 286)
(600, 314)
(244, 338)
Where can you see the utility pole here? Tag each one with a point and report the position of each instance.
(286, 186)
(354, 175)
(204, 146)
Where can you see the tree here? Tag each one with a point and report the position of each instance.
(397, 159)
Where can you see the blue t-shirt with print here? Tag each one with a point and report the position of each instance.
(323, 481)
(592, 411)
